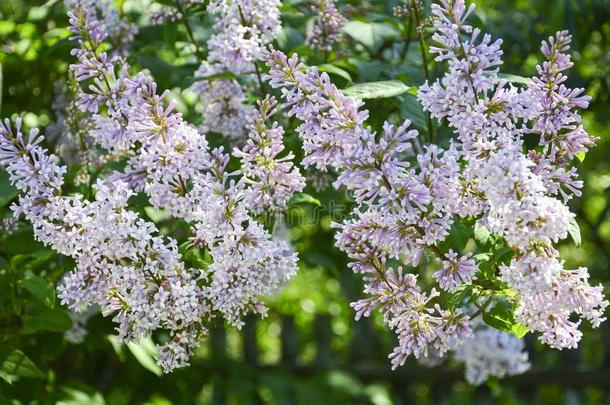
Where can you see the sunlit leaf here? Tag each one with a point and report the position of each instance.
(371, 35)
(574, 231)
(303, 198)
(40, 318)
(514, 78)
(40, 288)
(146, 353)
(14, 364)
(332, 69)
(481, 235)
(383, 89)
(519, 330)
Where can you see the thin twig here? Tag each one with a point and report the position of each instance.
(189, 31)
(424, 57)
(483, 307)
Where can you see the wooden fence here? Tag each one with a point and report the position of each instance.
(367, 362)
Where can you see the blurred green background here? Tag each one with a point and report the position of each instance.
(309, 350)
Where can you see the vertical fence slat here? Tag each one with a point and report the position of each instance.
(440, 394)
(404, 390)
(250, 343)
(365, 345)
(290, 341)
(403, 393)
(323, 338)
(218, 345)
(528, 396)
(218, 341)
(571, 361)
(605, 328)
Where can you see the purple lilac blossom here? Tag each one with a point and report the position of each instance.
(326, 29)
(404, 210)
(273, 180)
(395, 217)
(518, 190)
(136, 277)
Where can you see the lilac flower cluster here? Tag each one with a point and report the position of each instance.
(222, 101)
(455, 271)
(404, 210)
(272, 179)
(400, 212)
(326, 29)
(242, 30)
(122, 265)
(408, 198)
(490, 352)
(172, 13)
(119, 30)
(515, 191)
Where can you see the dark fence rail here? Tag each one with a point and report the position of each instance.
(367, 362)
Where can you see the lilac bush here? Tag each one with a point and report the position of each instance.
(406, 207)
(506, 173)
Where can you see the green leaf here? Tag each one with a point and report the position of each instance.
(14, 364)
(40, 288)
(489, 263)
(146, 353)
(514, 78)
(18, 260)
(117, 346)
(481, 257)
(289, 38)
(371, 35)
(332, 69)
(303, 198)
(412, 110)
(581, 156)
(481, 235)
(40, 257)
(519, 330)
(509, 292)
(383, 89)
(500, 316)
(7, 191)
(1, 83)
(574, 231)
(459, 235)
(194, 258)
(81, 396)
(32, 260)
(156, 215)
(40, 318)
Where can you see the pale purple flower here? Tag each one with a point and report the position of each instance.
(122, 264)
(403, 210)
(223, 103)
(326, 29)
(456, 270)
(272, 180)
(394, 218)
(490, 352)
(242, 30)
(558, 122)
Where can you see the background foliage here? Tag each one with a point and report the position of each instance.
(37, 364)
